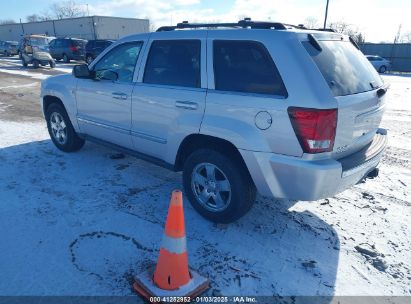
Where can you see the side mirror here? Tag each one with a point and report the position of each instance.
(81, 71)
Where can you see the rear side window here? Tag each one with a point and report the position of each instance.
(346, 70)
(174, 62)
(246, 66)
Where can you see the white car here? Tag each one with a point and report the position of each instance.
(263, 106)
(380, 64)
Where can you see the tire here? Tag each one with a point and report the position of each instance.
(238, 200)
(66, 59)
(70, 142)
(382, 69)
(24, 62)
(52, 64)
(89, 59)
(36, 64)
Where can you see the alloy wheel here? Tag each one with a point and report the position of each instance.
(211, 187)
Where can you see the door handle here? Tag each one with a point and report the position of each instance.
(119, 95)
(189, 105)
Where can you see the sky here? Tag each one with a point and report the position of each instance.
(378, 20)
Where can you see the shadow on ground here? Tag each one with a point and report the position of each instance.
(84, 223)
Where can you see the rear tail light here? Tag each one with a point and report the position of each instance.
(315, 129)
(74, 48)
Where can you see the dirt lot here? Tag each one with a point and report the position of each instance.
(84, 223)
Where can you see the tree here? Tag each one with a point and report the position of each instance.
(33, 18)
(345, 28)
(311, 23)
(7, 21)
(67, 9)
(406, 37)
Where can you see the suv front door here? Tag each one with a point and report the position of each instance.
(169, 98)
(104, 103)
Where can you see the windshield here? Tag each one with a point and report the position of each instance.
(39, 41)
(346, 70)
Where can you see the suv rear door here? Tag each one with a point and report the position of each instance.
(169, 98)
(357, 88)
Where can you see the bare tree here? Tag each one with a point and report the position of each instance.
(33, 18)
(7, 21)
(406, 37)
(67, 9)
(311, 23)
(343, 27)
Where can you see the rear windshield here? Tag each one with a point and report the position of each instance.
(346, 70)
(79, 42)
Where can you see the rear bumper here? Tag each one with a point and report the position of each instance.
(296, 178)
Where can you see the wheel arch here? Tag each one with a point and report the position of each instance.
(195, 142)
(50, 99)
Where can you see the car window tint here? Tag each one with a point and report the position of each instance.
(122, 60)
(245, 66)
(344, 67)
(174, 62)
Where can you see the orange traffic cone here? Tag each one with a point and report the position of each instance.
(172, 276)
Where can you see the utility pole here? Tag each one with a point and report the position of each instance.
(326, 14)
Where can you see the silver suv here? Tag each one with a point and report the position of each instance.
(238, 107)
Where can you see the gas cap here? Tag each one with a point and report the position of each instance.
(263, 120)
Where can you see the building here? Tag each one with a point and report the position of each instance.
(92, 27)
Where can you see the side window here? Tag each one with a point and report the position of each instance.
(121, 60)
(245, 66)
(174, 62)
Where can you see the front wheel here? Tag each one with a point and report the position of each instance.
(24, 62)
(218, 186)
(52, 64)
(36, 64)
(61, 130)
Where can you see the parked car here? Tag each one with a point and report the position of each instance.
(262, 107)
(95, 47)
(67, 49)
(8, 48)
(48, 39)
(380, 64)
(35, 51)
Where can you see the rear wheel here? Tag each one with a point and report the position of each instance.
(382, 69)
(52, 64)
(61, 130)
(36, 64)
(218, 186)
(66, 59)
(24, 62)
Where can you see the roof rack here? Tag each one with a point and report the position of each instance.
(245, 23)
